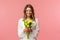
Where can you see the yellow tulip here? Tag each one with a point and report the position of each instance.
(28, 26)
(30, 21)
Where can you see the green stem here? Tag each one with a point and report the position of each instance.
(28, 33)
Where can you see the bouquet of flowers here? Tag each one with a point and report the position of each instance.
(28, 24)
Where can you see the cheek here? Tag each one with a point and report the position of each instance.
(30, 12)
(26, 12)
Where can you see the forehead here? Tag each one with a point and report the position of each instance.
(28, 8)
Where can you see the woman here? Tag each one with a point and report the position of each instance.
(34, 30)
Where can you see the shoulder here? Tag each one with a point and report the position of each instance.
(20, 19)
(36, 19)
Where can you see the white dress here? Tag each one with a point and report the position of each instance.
(33, 34)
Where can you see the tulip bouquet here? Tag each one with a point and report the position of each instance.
(28, 24)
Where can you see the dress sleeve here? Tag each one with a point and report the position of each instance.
(20, 30)
(36, 30)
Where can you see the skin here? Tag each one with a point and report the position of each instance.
(28, 13)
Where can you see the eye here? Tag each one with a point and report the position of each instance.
(26, 10)
(30, 11)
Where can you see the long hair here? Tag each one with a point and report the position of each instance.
(32, 9)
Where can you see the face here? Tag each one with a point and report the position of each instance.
(28, 12)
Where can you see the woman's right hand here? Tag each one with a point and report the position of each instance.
(26, 30)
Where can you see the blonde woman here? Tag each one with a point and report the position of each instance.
(34, 30)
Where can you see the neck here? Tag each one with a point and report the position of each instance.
(28, 18)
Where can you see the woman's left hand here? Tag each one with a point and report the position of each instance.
(30, 30)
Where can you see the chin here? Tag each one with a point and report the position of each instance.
(28, 16)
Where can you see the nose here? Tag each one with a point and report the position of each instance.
(29, 12)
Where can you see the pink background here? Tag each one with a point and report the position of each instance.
(47, 11)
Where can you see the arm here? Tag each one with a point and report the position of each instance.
(36, 31)
(20, 30)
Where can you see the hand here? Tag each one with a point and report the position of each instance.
(30, 30)
(26, 30)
